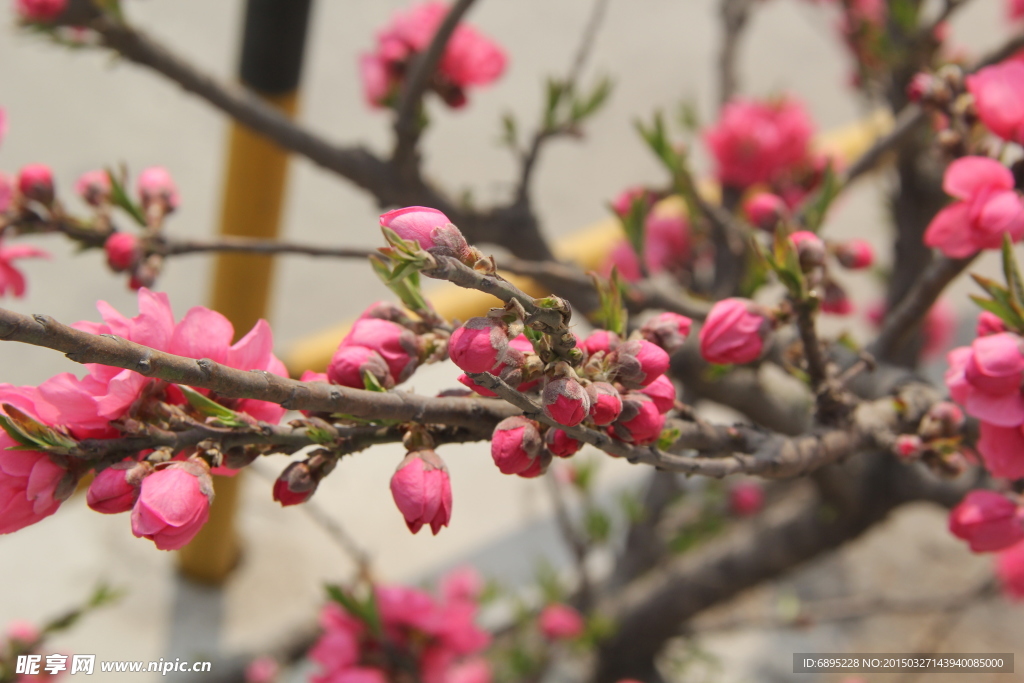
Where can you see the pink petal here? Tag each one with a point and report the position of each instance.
(203, 333)
(969, 176)
(253, 351)
(950, 230)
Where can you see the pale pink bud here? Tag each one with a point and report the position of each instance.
(515, 444)
(398, 346)
(427, 227)
(638, 362)
(601, 340)
(24, 632)
(479, 345)
(855, 254)
(746, 498)
(173, 505)
(606, 403)
(350, 363)
(809, 248)
(764, 210)
(422, 491)
(989, 323)
(116, 488)
(560, 443)
(566, 401)
(667, 330)
(123, 251)
(662, 392)
(908, 446)
(35, 182)
(988, 521)
(94, 187)
(262, 670)
(560, 622)
(734, 332)
(157, 188)
(640, 423)
(40, 10)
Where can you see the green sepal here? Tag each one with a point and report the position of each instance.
(222, 416)
(119, 196)
(32, 434)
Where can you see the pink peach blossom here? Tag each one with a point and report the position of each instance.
(351, 363)
(764, 210)
(998, 99)
(28, 486)
(855, 254)
(560, 443)
(601, 341)
(560, 622)
(415, 223)
(667, 330)
(378, 83)
(989, 208)
(3, 125)
(471, 671)
(462, 584)
(908, 446)
(156, 188)
(515, 444)
(734, 332)
(35, 182)
(988, 521)
(1014, 9)
(989, 323)
(262, 670)
(640, 423)
(638, 362)
(123, 250)
(985, 378)
(23, 632)
(662, 392)
(6, 191)
(479, 344)
(398, 346)
(173, 505)
(422, 491)
(565, 401)
(1002, 449)
(116, 488)
(11, 279)
(606, 403)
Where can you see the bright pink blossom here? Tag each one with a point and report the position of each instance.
(94, 187)
(462, 584)
(640, 423)
(560, 443)
(605, 403)
(1010, 570)
(472, 671)
(156, 188)
(638, 362)
(985, 378)
(601, 341)
(515, 444)
(999, 100)
(40, 10)
(988, 521)
(560, 622)
(746, 498)
(566, 401)
(35, 182)
(262, 670)
(908, 446)
(123, 250)
(6, 191)
(173, 505)
(989, 208)
(479, 345)
(1002, 449)
(422, 491)
(734, 332)
(23, 632)
(989, 323)
(1014, 9)
(757, 142)
(666, 247)
(378, 83)
(116, 488)
(28, 486)
(3, 127)
(11, 279)
(662, 392)
(415, 223)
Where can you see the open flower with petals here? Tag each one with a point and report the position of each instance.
(11, 279)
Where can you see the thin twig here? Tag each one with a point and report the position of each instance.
(574, 539)
(734, 15)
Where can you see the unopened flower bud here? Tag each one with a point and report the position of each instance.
(560, 443)
(624, 202)
(764, 210)
(566, 401)
(173, 505)
(41, 11)
(123, 251)
(606, 403)
(746, 498)
(638, 362)
(35, 182)
(855, 254)
(908, 446)
(385, 310)
(835, 300)
(734, 332)
(809, 248)
(116, 488)
(601, 341)
(667, 330)
(479, 345)
(640, 423)
(157, 190)
(988, 521)
(350, 364)
(429, 228)
(399, 347)
(94, 187)
(560, 622)
(944, 420)
(989, 323)
(422, 491)
(515, 444)
(662, 392)
(296, 484)
(538, 467)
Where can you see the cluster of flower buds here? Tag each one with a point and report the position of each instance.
(400, 631)
(937, 442)
(469, 59)
(619, 387)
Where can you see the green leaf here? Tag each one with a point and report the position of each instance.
(611, 315)
(598, 526)
(667, 438)
(584, 107)
(556, 90)
(119, 196)
(33, 434)
(689, 116)
(407, 288)
(817, 206)
(633, 224)
(1010, 318)
(1012, 272)
(209, 408)
(370, 383)
(509, 131)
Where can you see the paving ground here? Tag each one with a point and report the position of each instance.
(79, 111)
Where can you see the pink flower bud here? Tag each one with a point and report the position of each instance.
(350, 363)
(835, 300)
(560, 443)
(764, 210)
(24, 632)
(538, 467)
(427, 227)
(157, 188)
(667, 330)
(566, 401)
(988, 521)
(385, 310)
(94, 187)
(40, 10)
(471, 671)
(989, 323)
(399, 347)
(295, 485)
(116, 488)
(624, 202)
(638, 362)
(920, 85)
(809, 248)
(908, 446)
(173, 505)
(662, 392)
(35, 182)
(606, 403)
(746, 498)
(560, 622)
(734, 332)
(949, 414)
(640, 423)
(462, 584)
(422, 491)
(515, 444)
(123, 251)
(479, 345)
(601, 340)
(855, 254)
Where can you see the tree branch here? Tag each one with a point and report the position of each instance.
(734, 15)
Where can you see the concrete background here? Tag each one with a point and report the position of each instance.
(80, 110)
